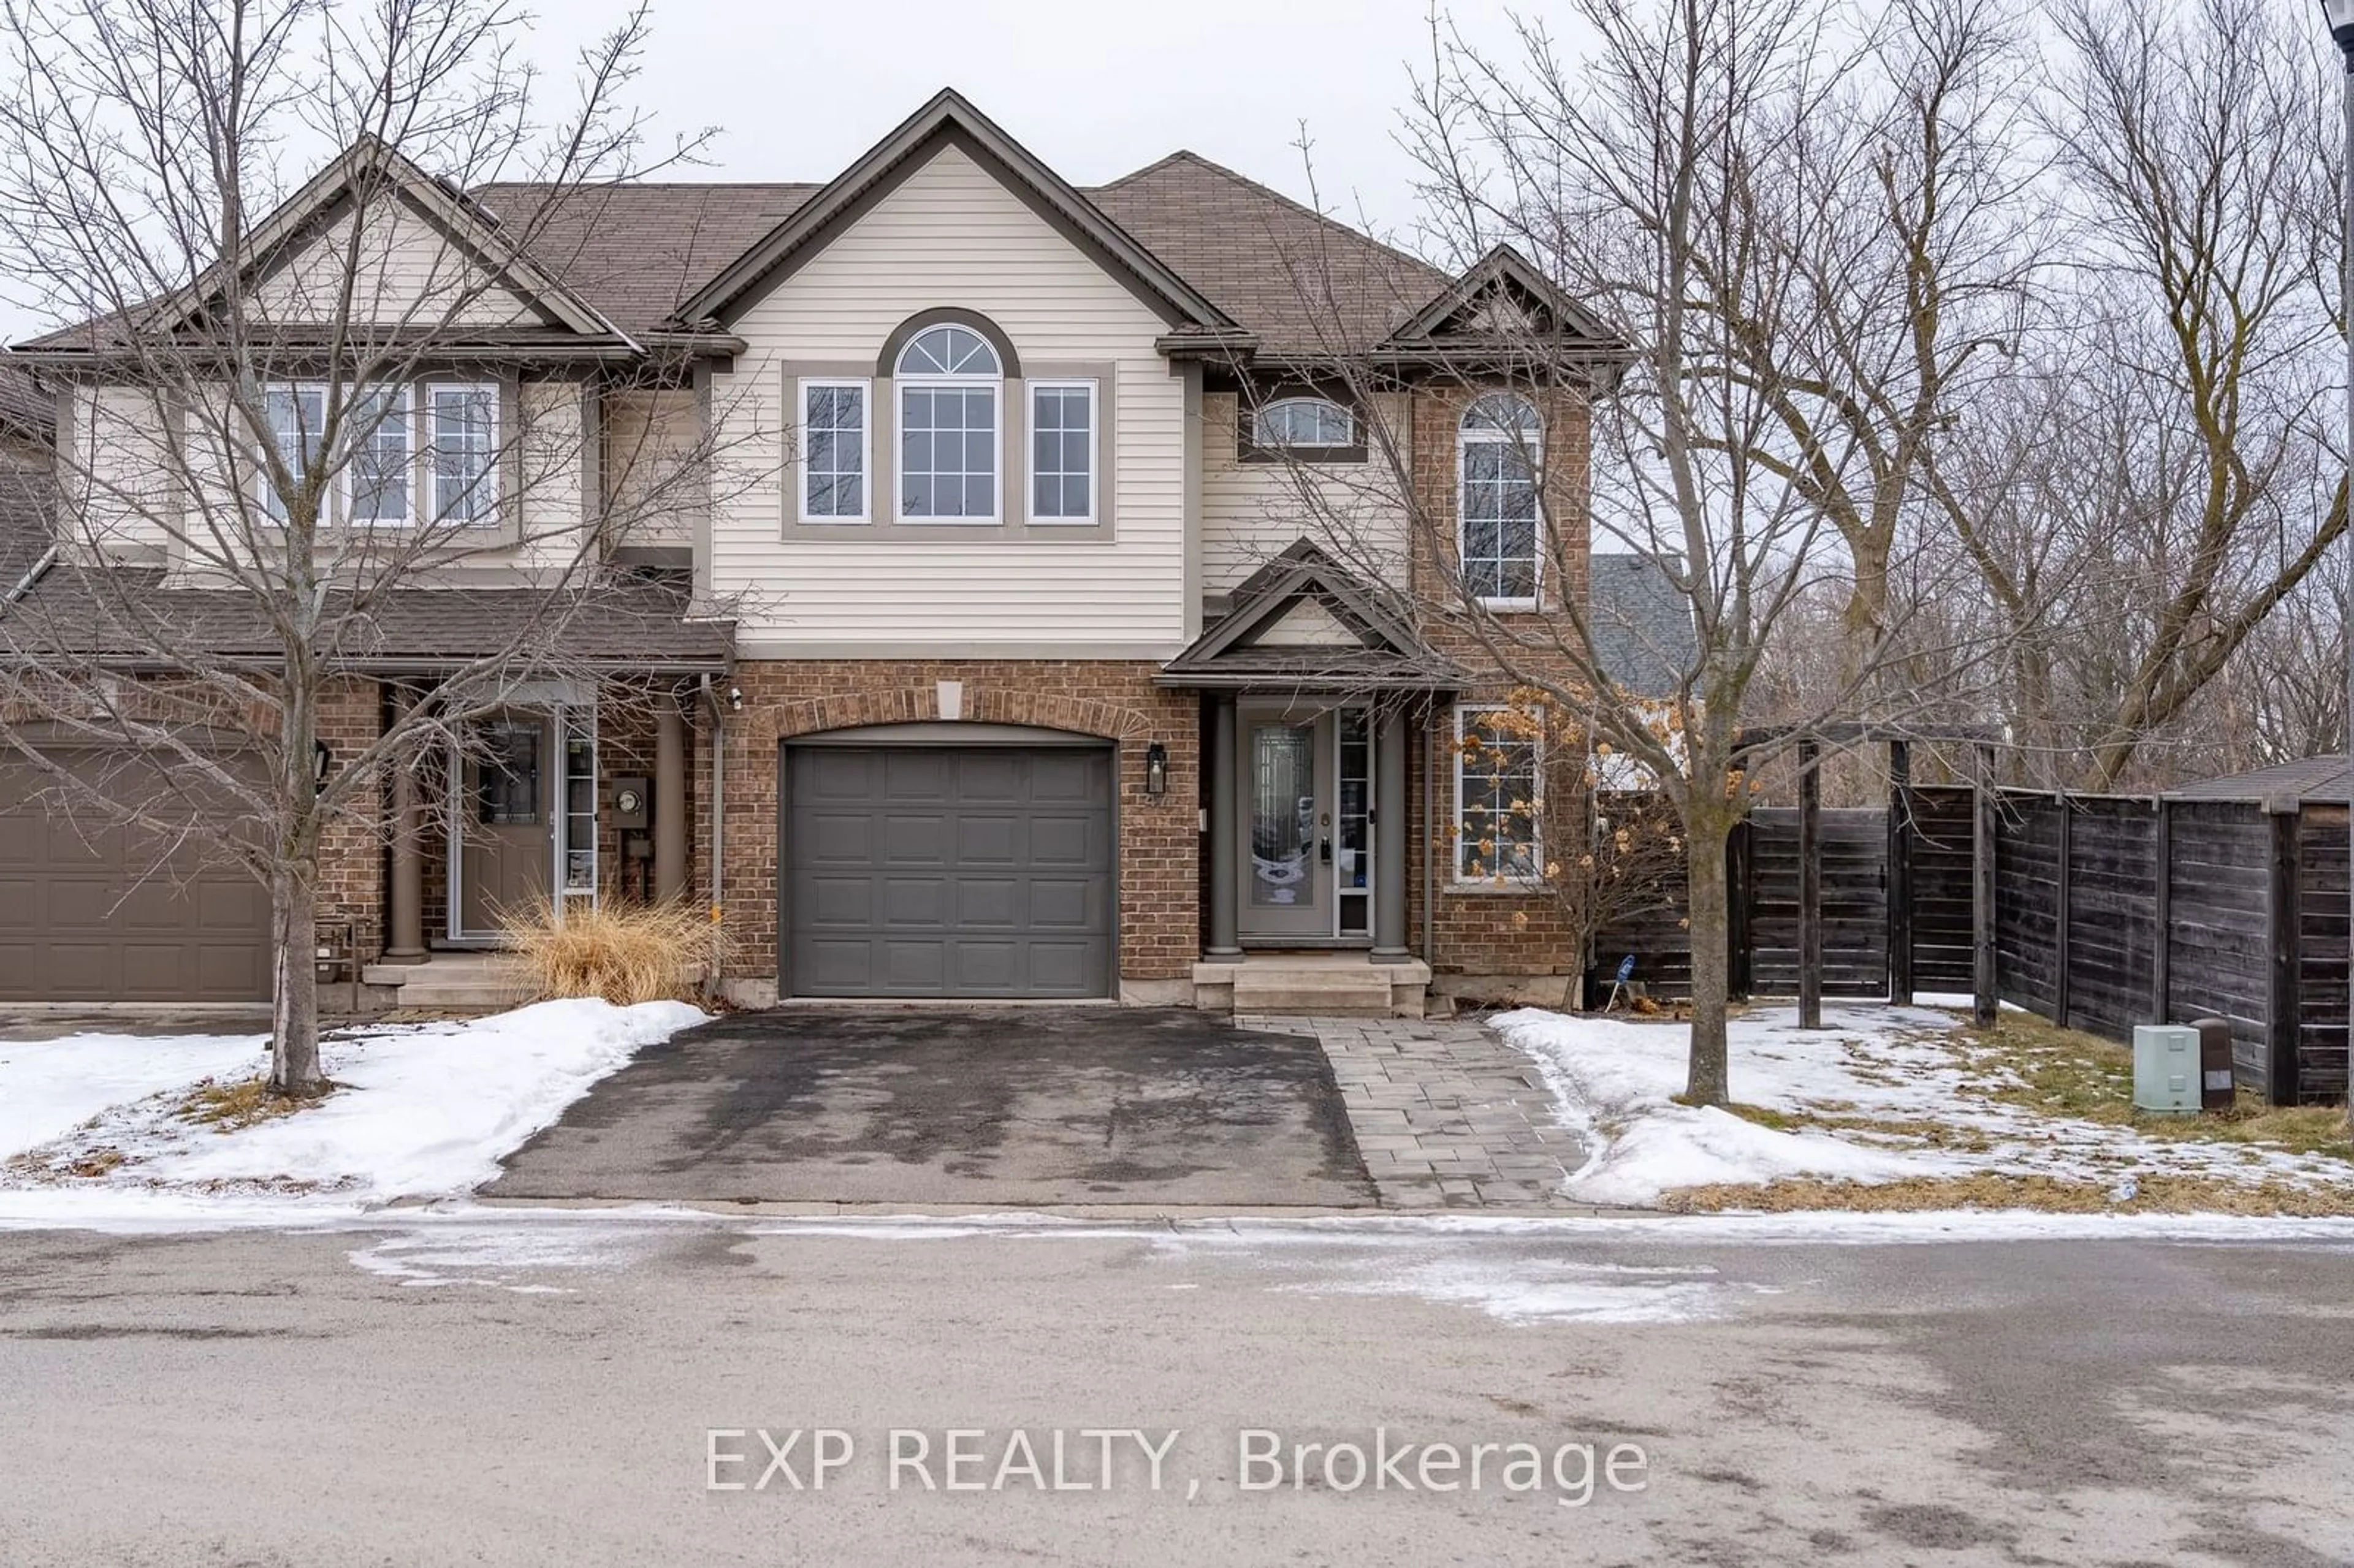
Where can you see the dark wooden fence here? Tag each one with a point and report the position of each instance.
(2109, 911)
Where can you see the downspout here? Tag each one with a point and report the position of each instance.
(718, 793)
(1429, 839)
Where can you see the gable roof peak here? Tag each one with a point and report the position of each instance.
(949, 116)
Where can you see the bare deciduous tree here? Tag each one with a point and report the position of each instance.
(259, 471)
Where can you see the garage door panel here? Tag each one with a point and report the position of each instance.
(913, 775)
(97, 912)
(983, 968)
(1003, 887)
(1059, 966)
(1063, 902)
(841, 838)
(914, 839)
(987, 839)
(1065, 839)
(917, 967)
(915, 901)
(989, 902)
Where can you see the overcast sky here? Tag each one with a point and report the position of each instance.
(1097, 89)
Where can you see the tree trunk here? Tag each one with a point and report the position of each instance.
(294, 1040)
(1710, 910)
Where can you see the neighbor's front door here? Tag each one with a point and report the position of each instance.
(1287, 838)
(504, 806)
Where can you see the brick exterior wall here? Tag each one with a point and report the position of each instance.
(1160, 852)
(353, 848)
(1488, 941)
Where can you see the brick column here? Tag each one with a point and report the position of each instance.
(405, 914)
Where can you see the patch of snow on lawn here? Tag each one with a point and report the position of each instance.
(49, 1087)
(420, 1110)
(1612, 1081)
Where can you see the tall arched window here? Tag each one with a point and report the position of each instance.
(950, 380)
(1499, 455)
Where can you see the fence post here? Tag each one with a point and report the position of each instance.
(1740, 891)
(2061, 922)
(2284, 1011)
(1810, 885)
(2161, 1002)
(1900, 871)
(1982, 911)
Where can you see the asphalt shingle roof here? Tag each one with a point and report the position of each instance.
(1642, 624)
(1300, 281)
(626, 621)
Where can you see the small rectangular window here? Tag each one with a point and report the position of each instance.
(463, 466)
(1496, 796)
(833, 452)
(1063, 451)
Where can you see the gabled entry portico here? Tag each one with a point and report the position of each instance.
(1313, 685)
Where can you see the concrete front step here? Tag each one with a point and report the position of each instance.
(1343, 985)
(453, 982)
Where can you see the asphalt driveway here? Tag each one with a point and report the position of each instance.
(982, 1107)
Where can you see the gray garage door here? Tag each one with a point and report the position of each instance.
(91, 912)
(932, 871)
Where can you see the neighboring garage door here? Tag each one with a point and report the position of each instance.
(939, 871)
(86, 913)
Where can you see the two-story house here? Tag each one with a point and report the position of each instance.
(1003, 652)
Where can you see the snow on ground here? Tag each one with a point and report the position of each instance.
(1613, 1082)
(420, 1110)
(49, 1087)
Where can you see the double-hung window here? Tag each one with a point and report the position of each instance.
(298, 429)
(1499, 455)
(948, 380)
(461, 470)
(1062, 451)
(381, 474)
(1496, 796)
(833, 452)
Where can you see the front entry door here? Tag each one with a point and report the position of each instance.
(504, 808)
(1287, 830)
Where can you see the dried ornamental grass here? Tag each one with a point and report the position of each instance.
(625, 953)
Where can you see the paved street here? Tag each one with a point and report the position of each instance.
(537, 1387)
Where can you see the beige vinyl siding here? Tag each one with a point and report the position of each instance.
(650, 440)
(1252, 511)
(951, 235)
(125, 496)
(405, 270)
(119, 498)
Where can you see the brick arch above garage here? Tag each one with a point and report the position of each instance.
(1160, 852)
(982, 702)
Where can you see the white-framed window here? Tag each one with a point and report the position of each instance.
(382, 478)
(1497, 795)
(1499, 457)
(297, 411)
(462, 450)
(833, 450)
(949, 381)
(376, 485)
(1303, 425)
(1063, 451)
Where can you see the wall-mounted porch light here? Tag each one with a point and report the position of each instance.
(323, 761)
(1156, 769)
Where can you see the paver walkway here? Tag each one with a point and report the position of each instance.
(1447, 1115)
